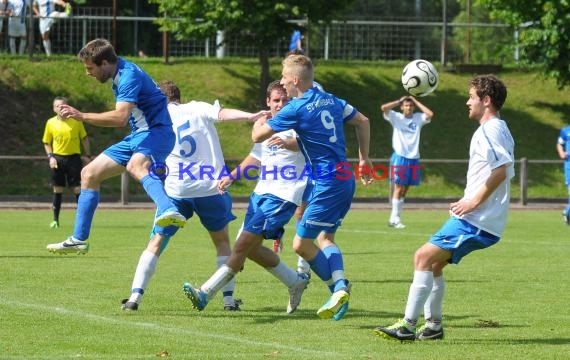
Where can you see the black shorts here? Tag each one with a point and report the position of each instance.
(68, 171)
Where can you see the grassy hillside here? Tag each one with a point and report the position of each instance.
(535, 110)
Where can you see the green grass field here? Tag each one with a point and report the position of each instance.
(506, 302)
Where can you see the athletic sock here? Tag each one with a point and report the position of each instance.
(434, 302)
(47, 46)
(320, 265)
(284, 273)
(56, 205)
(419, 291)
(336, 265)
(217, 281)
(144, 272)
(228, 289)
(86, 206)
(155, 189)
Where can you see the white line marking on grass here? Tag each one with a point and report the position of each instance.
(159, 327)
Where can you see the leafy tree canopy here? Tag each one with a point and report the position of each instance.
(545, 32)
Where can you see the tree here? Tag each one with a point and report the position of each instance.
(262, 22)
(545, 34)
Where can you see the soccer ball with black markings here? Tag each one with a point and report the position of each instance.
(420, 78)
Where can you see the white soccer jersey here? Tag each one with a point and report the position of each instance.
(280, 170)
(491, 146)
(46, 7)
(196, 160)
(406, 134)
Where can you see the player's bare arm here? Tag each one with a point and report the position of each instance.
(226, 181)
(422, 108)
(261, 131)
(464, 206)
(114, 118)
(362, 124)
(238, 115)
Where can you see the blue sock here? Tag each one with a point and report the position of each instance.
(86, 205)
(320, 266)
(334, 258)
(155, 190)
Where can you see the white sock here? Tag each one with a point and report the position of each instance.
(13, 45)
(47, 46)
(419, 292)
(397, 205)
(284, 273)
(433, 305)
(303, 266)
(230, 286)
(145, 270)
(23, 43)
(217, 281)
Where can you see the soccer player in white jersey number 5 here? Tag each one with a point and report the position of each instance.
(194, 168)
(477, 220)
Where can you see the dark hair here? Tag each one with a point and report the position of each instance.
(171, 91)
(274, 85)
(490, 85)
(98, 50)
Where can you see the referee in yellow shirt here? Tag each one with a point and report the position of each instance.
(62, 138)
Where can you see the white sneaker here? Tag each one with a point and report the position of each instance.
(397, 225)
(296, 291)
(169, 218)
(70, 245)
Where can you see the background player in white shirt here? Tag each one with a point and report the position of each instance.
(405, 161)
(477, 219)
(194, 167)
(46, 10)
(17, 10)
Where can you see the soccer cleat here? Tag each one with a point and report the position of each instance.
(170, 218)
(70, 245)
(333, 305)
(426, 332)
(234, 307)
(399, 331)
(397, 225)
(196, 296)
(54, 224)
(344, 308)
(296, 292)
(129, 305)
(68, 9)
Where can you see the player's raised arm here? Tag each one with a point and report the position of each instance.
(261, 131)
(114, 118)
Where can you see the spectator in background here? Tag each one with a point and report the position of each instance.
(17, 10)
(295, 43)
(45, 9)
(62, 139)
(563, 148)
(3, 5)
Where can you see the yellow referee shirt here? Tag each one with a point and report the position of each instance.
(64, 136)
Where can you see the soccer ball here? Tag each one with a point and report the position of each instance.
(419, 78)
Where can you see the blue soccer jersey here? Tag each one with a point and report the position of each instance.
(564, 139)
(318, 118)
(132, 84)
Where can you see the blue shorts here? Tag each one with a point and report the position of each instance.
(215, 212)
(460, 238)
(405, 171)
(155, 143)
(329, 202)
(267, 215)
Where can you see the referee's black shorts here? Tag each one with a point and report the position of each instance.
(68, 172)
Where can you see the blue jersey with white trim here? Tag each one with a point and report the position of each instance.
(564, 139)
(131, 84)
(318, 119)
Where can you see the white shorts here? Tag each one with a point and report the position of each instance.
(46, 23)
(16, 27)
